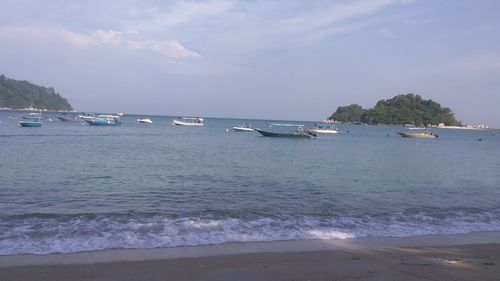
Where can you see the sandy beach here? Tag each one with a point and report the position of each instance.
(455, 257)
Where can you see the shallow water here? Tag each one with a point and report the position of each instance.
(69, 187)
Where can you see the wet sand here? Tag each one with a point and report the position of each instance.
(455, 257)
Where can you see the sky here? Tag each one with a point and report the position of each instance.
(295, 60)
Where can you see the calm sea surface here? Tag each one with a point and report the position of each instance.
(69, 187)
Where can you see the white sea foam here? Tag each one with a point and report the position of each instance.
(42, 234)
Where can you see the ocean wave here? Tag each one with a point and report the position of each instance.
(58, 233)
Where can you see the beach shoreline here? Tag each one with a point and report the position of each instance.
(474, 256)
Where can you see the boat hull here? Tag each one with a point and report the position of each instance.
(182, 123)
(64, 119)
(323, 131)
(417, 135)
(145, 121)
(30, 124)
(284, 135)
(103, 122)
(243, 129)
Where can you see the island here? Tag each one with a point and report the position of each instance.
(16, 94)
(406, 109)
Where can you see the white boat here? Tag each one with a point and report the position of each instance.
(327, 130)
(119, 114)
(243, 128)
(145, 120)
(188, 121)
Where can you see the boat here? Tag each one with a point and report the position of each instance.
(188, 121)
(31, 120)
(145, 120)
(120, 114)
(32, 116)
(104, 120)
(86, 116)
(66, 118)
(300, 133)
(31, 123)
(285, 125)
(243, 128)
(326, 130)
(420, 135)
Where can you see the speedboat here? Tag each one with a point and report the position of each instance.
(104, 120)
(326, 130)
(188, 121)
(31, 120)
(420, 135)
(31, 123)
(243, 128)
(300, 133)
(145, 120)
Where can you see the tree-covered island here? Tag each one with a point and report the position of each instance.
(17, 94)
(402, 109)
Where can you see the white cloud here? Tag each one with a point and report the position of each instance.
(108, 37)
(334, 14)
(169, 48)
(183, 12)
(47, 34)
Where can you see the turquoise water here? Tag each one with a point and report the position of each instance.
(68, 187)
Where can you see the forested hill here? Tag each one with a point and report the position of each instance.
(402, 109)
(23, 94)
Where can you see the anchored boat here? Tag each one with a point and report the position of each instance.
(188, 121)
(419, 135)
(300, 133)
(31, 120)
(145, 121)
(104, 120)
(243, 128)
(326, 130)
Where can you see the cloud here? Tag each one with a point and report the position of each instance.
(48, 34)
(327, 16)
(171, 49)
(184, 12)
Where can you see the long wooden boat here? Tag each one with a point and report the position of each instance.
(421, 135)
(305, 134)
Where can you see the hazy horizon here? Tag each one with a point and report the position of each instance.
(287, 60)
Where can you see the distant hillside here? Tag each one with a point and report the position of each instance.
(402, 109)
(23, 94)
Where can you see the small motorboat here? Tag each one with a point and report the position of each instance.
(188, 121)
(419, 135)
(66, 118)
(30, 123)
(300, 133)
(243, 128)
(145, 121)
(104, 120)
(326, 130)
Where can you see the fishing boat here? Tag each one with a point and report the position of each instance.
(145, 120)
(188, 121)
(300, 133)
(243, 128)
(326, 130)
(419, 135)
(104, 120)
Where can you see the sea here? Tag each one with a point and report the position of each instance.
(71, 187)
